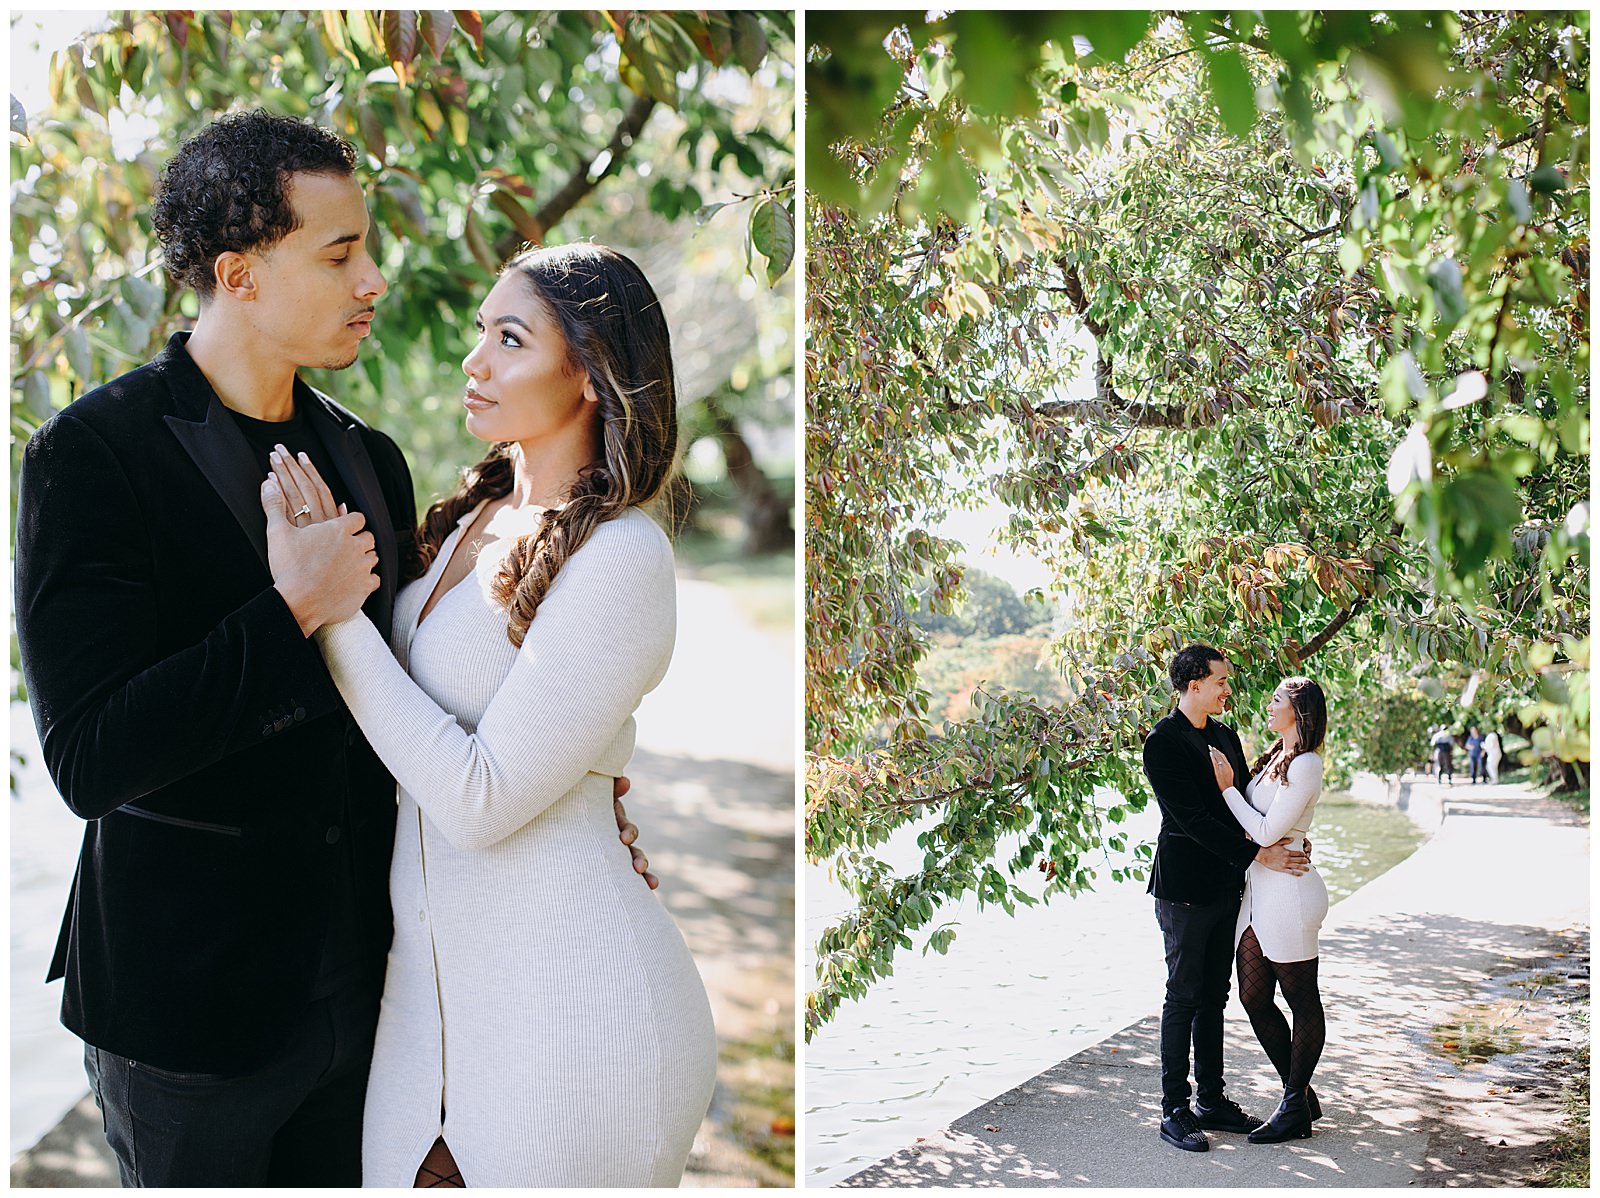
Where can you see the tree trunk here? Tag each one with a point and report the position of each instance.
(766, 517)
(1574, 775)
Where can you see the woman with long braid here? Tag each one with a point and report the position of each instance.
(1280, 914)
(543, 1023)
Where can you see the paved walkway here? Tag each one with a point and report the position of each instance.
(1448, 933)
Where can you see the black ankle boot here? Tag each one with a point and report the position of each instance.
(1291, 1121)
(1313, 1105)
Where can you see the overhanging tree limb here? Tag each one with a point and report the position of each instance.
(1331, 629)
(581, 182)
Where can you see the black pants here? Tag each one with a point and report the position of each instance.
(1199, 942)
(296, 1121)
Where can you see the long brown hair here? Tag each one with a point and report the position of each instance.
(615, 331)
(1310, 709)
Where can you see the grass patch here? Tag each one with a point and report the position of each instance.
(1481, 1031)
(761, 1120)
(1569, 1150)
(1537, 980)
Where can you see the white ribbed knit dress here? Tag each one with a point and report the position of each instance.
(1286, 910)
(537, 991)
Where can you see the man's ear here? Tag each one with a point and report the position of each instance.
(588, 389)
(235, 276)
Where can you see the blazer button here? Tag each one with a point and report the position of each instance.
(333, 836)
(299, 714)
(283, 723)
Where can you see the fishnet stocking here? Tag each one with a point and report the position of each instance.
(1294, 1054)
(438, 1170)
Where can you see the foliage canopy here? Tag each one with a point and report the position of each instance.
(479, 132)
(1328, 273)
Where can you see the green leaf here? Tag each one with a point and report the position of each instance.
(1232, 90)
(650, 57)
(36, 394)
(1517, 202)
(76, 343)
(1478, 509)
(1350, 256)
(1547, 179)
(1389, 156)
(1111, 33)
(749, 40)
(995, 62)
(1444, 277)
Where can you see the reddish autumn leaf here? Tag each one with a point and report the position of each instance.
(400, 38)
(178, 23)
(472, 25)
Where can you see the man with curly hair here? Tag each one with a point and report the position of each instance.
(224, 943)
(1197, 878)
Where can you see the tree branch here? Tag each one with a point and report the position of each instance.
(580, 184)
(1319, 642)
(1331, 629)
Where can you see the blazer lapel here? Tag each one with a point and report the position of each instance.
(224, 457)
(204, 428)
(343, 440)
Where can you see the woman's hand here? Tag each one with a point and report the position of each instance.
(1224, 771)
(305, 495)
(324, 568)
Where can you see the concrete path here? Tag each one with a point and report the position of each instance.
(1450, 933)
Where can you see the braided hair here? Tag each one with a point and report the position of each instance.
(615, 331)
(1310, 709)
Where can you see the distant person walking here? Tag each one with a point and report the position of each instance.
(1492, 754)
(1475, 755)
(1444, 747)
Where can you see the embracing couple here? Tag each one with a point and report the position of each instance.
(1233, 883)
(237, 639)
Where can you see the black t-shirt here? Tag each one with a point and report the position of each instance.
(345, 955)
(297, 435)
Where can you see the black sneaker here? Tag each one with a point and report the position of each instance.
(1225, 1115)
(1181, 1131)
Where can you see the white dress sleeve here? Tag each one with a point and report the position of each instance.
(1296, 793)
(601, 638)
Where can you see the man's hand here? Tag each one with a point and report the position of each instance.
(1283, 859)
(627, 833)
(325, 570)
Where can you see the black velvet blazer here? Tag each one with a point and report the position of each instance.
(1201, 851)
(185, 717)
